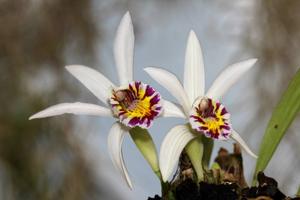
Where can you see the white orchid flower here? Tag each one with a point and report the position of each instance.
(133, 103)
(205, 114)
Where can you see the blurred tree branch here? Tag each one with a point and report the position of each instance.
(41, 159)
(274, 37)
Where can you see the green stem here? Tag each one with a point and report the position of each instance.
(208, 147)
(158, 174)
(194, 149)
(167, 193)
(145, 144)
(254, 181)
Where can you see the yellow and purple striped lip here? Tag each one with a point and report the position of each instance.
(137, 104)
(210, 118)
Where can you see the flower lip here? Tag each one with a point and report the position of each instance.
(210, 118)
(136, 104)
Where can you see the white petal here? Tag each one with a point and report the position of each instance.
(229, 77)
(115, 140)
(171, 110)
(172, 84)
(194, 77)
(123, 50)
(73, 108)
(235, 136)
(171, 148)
(98, 84)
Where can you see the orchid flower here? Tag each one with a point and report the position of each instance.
(204, 112)
(132, 104)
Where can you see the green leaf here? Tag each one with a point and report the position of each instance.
(283, 115)
(194, 150)
(145, 144)
(298, 193)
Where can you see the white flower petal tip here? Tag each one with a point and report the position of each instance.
(172, 84)
(192, 34)
(249, 62)
(124, 49)
(246, 64)
(72, 108)
(136, 105)
(93, 80)
(172, 110)
(235, 136)
(114, 142)
(229, 77)
(194, 79)
(171, 148)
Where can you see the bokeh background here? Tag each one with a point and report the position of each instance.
(66, 157)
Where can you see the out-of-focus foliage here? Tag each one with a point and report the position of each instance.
(274, 38)
(283, 115)
(40, 159)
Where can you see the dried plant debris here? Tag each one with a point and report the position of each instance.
(228, 168)
(266, 189)
(156, 197)
(224, 181)
(188, 190)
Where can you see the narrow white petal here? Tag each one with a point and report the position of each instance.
(172, 110)
(235, 136)
(194, 77)
(172, 84)
(171, 148)
(93, 80)
(115, 140)
(123, 49)
(73, 108)
(229, 77)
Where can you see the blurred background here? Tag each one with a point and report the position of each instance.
(66, 157)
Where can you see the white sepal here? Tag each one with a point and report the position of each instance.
(235, 136)
(194, 77)
(114, 142)
(73, 108)
(173, 144)
(123, 50)
(172, 110)
(228, 77)
(93, 80)
(172, 84)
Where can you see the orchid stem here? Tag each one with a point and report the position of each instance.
(208, 147)
(194, 149)
(158, 174)
(146, 146)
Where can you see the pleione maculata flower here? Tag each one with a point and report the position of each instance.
(204, 112)
(132, 103)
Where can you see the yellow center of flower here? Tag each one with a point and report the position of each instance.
(213, 124)
(139, 108)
